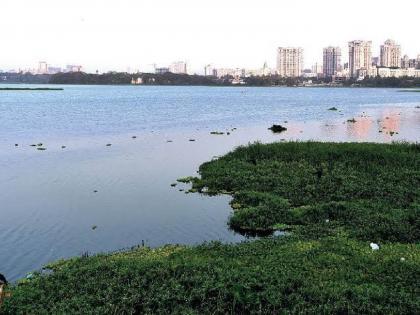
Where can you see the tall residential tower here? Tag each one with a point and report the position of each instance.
(290, 61)
(360, 57)
(390, 54)
(332, 61)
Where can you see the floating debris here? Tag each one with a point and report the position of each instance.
(277, 128)
(39, 144)
(173, 184)
(191, 140)
(63, 146)
(217, 133)
(169, 141)
(228, 133)
(108, 144)
(16, 145)
(374, 246)
(134, 137)
(351, 120)
(94, 227)
(41, 149)
(95, 191)
(333, 108)
(33, 145)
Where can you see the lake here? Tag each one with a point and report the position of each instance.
(80, 195)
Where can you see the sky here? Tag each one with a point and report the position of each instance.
(119, 35)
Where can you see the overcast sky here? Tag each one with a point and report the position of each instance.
(117, 34)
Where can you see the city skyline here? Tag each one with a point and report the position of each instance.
(110, 35)
(289, 63)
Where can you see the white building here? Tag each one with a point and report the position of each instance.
(318, 69)
(360, 58)
(390, 54)
(290, 61)
(398, 73)
(236, 73)
(209, 70)
(73, 68)
(42, 67)
(179, 67)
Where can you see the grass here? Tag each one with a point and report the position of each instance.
(333, 275)
(332, 199)
(368, 189)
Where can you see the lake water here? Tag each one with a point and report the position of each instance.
(48, 203)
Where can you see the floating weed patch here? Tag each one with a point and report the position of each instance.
(335, 199)
(185, 180)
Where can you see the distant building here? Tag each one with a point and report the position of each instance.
(179, 67)
(54, 70)
(73, 68)
(137, 81)
(236, 73)
(209, 70)
(376, 61)
(412, 63)
(42, 67)
(390, 54)
(360, 58)
(398, 72)
(332, 61)
(308, 73)
(318, 69)
(290, 61)
(161, 70)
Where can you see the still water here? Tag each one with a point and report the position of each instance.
(50, 200)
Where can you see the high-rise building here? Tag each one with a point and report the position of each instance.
(317, 68)
(209, 70)
(390, 54)
(179, 67)
(412, 63)
(42, 67)
(360, 57)
(332, 61)
(405, 62)
(418, 62)
(290, 61)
